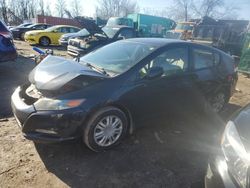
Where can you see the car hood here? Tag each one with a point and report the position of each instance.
(54, 72)
(35, 32)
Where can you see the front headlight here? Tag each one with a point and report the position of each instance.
(84, 45)
(64, 38)
(236, 155)
(54, 104)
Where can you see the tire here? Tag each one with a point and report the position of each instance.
(22, 36)
(216, 102)
(44, 41)
(99, 135)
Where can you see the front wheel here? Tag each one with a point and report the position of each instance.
(44, 41)
(105, 129)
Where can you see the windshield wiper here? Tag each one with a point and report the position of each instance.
(99, 69)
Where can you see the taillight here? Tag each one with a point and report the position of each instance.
(229, 78)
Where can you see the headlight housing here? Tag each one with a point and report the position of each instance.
(236, 155)
(55, 104)
(84, 45)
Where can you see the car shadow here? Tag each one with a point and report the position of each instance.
(170, 152)
(12, 74)
(52, 47)
(229, 110)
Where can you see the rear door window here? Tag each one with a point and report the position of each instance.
(203, 58)
(73, 30)
(64, 30)
(40, 27)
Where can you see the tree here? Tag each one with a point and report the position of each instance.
(60, 5)
(48, 11)
(108, 8)
(32, 9)
(76, 8)
(213, 8)
(24, 9)
(41, 7)
(3, 10)
(183, 8)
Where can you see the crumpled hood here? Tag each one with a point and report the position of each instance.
(53, 72)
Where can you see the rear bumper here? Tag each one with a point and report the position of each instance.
(46, 126)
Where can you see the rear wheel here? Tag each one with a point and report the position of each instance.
(44, 41)
(105, 129)
(216, 102)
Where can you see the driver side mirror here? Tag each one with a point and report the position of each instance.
(155, 72)
(55, 31)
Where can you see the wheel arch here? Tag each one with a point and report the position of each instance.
(44, 37)
(118, 106)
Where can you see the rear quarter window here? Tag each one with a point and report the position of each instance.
(202, 58)
(228, 63)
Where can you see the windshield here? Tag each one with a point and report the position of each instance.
(183, 26)
(118, 57)
(30, 26)
(83, 32)
(110, 31)
(120, 21)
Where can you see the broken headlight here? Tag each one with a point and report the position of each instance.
(84, 45)
(236, 155)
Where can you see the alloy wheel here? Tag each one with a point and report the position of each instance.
(44, 41)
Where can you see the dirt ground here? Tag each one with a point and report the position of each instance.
(171, 153)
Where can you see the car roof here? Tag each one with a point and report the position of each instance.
(157, 42)
(160, 42)
(66, 26)
(41, 24)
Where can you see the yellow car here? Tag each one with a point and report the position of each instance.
(50, 35)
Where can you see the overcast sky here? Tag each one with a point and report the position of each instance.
(88, 6)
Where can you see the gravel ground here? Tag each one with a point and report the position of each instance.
(171, 152)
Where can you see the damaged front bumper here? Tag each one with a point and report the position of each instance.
(46, 126)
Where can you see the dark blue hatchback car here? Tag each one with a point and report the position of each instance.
(103, 96)
(7, 48)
